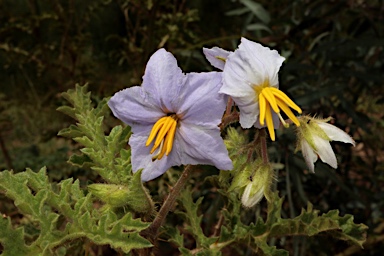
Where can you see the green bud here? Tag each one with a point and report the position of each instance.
(243, 177)
(135, 195)
(114, 195)
(258, 187)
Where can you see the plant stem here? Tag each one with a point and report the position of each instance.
(264, 149)
(152, 231)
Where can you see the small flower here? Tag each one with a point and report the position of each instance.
(250, 77)
(314, 136)
(216, 56)
(174, 118)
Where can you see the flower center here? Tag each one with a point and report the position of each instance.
(164, 131)
(271, 97)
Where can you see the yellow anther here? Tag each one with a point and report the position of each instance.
(262, 108)
(288, 111)
(268, 117)
(286, 99)
(155, 129)
(164, 131)
(271, 98)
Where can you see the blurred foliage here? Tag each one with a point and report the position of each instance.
(334, 67)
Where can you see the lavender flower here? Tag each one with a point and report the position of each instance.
(174, 118)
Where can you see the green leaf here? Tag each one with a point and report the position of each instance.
(12, 240)
(44, 204)
(100, 152)
(257, 9)
(310, 223)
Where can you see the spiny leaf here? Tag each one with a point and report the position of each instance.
(100, 152)
(191, 215)
(310, 223)
(34, 195)
(12, 240)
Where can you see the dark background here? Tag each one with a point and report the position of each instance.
(334, 67)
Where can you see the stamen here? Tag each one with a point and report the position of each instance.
(268, 117)
(288, 111)
(164, 131)
(271, 98)
(262, 107)
(155, 129)
(285, 98)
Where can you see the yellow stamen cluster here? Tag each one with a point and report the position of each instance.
(271, 97)
(164, 130)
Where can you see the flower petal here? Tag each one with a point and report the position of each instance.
(240, 76)
(249, 111)
(200, 145)
(325, 151)
(201, 103)
(142, 159)
(335, 133)
(265, 60)
(309, 155)
(247, 200)
(216, 56)
(134, 106)
(163, 80)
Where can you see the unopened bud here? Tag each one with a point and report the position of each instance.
(258, 187)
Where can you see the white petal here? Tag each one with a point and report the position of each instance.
(263, 58)
(249, 111)
(248, 201)
(237, 78)
(325, 151)
(335, 133)
(309, 155)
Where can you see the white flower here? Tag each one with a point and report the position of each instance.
(314, 137)
(250, 77)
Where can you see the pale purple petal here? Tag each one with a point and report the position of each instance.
(216, 56)
(325, 151)
(202, 104)
(163, 80)
(142, 159)
(134, 106)
(335, 133)
(309, 155)
(202, 146)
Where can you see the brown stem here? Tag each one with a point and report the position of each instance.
(151, 232)
(263, 144)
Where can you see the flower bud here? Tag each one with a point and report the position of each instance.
(258, 187)
(134, 195)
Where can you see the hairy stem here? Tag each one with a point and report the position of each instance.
(152, 231)
(263, 144)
